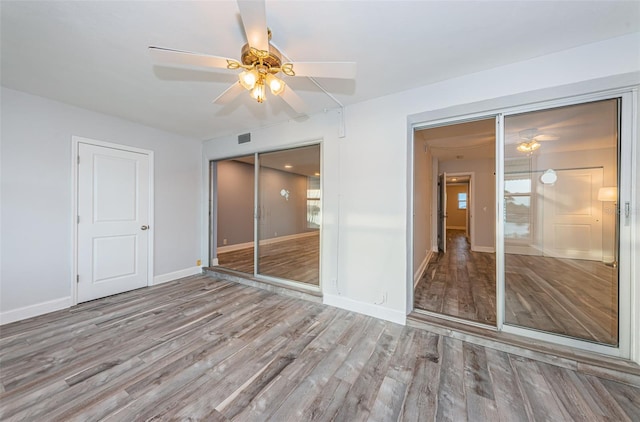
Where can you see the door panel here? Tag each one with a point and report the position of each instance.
(113, 211)
(573, 215)
(442, 212)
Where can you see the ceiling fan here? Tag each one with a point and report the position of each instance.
(260, 62)
(530, 140)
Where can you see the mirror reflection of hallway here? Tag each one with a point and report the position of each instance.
(455, 272)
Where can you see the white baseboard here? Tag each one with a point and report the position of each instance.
(421, 268)
(369, 309)
(487, 249)
(165, 278)
(230, 248)
(34, 310)
(236, 247)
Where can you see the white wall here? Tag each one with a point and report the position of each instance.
(365, 174)
(422, 194)
(37, 195)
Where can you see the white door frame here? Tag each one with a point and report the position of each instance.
(75, 141)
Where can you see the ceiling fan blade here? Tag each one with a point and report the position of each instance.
(187, 58)
(229, 94)
(254, 19)
(546, 138)
(339, 70)
(291, 98)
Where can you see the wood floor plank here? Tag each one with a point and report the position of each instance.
(204, 349)
(451, 392)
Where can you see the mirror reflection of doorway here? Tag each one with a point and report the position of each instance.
(454, 221)
(286, 219)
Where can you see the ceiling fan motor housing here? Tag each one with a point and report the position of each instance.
(273, 60)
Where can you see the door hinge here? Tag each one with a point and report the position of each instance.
(78, 159)
(77, 278)
(78, 219)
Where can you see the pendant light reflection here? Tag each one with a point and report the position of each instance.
(549, 177)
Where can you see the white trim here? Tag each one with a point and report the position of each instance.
(486, 249)
(369, 309)
(457, 227)
(75, 141)
(423, 266)
(165, 278)
(34, 310)
(562, 340)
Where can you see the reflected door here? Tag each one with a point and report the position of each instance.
(573, 215)
(442, 212)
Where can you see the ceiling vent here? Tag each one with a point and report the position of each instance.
(244, 138)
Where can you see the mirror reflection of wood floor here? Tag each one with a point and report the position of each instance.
(575, 298)
(459, 283)
(293, 259)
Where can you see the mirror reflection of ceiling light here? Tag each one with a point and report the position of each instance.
(549, 177)
(528, 147)
(454, 180)
(316, 173)
(288, 166)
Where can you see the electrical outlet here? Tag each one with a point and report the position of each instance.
(224, 241)
(198, 263)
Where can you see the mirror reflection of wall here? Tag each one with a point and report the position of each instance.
(234, 214)
(289, 223)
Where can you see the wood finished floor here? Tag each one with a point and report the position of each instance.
(460, 283)
(295, 259)
(210, 350)
(575, 298)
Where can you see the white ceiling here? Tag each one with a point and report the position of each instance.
(93, 54)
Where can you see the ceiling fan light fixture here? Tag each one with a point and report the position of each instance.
(276, 85)
(248, 79)
(259, 92)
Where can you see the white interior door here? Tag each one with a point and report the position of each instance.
(442, 212)
(572, 223)
(113, 219)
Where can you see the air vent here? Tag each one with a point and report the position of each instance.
(244, 138)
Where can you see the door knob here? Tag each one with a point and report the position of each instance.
(144, 227)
